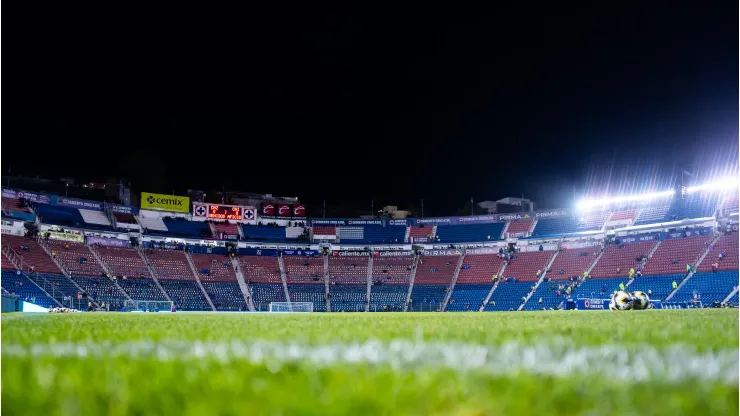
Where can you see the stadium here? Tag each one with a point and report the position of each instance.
(526, 209)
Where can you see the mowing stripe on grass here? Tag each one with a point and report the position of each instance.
(559, 359)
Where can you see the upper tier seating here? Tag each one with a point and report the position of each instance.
(682, 250)
(35, 255)
(153, 225)
(218, 266)
(125, 218)
(479, 268)
(304, 269)
(572, 262)
(264, 294)
(324, 230)
(709, 287)
(508, 296)
(348, 298)
(727, 244)
(652, 214)
(257, 269)
(593, 220)
(421, 232)
(264, 233)
(518, 228)
(225, 228)
(186, 295)
(524, 266)
(71, 217)
(309, 293)
(226, 296)
(184, 228)
(467, 297)
(468, 233)
(427, 297)
(170, 264)
(69, 255)
(623, 259)
(384, 234)
(388, 297)
(123, 261)
(348, 269)
(435, 270)
(555, 226)
(393, 270)
(95, 217)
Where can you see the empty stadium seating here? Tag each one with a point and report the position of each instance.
(381, 234)
(572, 262)
(70, 217)
(552, 294)
(435, 270)
(728, 245)
(479, 268)
(34, 255)
(264, 233)
(555, 226)
(186, 294)
(101, 289)
(388, 297)
(69, 255)
(421, 232)
(225, 228)
(184, 228)
(392, 270)
(467, 297)
(651, 214)
(427, 297)
(348, 269)
(508, 296)
(264, 294)
(524, 266)
(123, 261)
(348, 298)
(20, 285)
(659, 286)
(622, 258)
(518, 228)
(226, 296)
(672, 255)
(304, 269)
(141, 289)
(468, 233)
(258, 269)
(218, 267)
(327, 230)
(308, 293)
(169, 265)
(124, 218)
(599, 288)
(709, 287)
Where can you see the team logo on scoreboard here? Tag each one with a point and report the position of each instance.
(299, 210)
(200, 211)
(248, 214)
(283, 210)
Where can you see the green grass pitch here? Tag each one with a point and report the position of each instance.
(524, 363)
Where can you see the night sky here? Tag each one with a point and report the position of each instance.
(359, 103)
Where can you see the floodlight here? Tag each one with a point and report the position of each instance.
(716, 185)
(588, 204)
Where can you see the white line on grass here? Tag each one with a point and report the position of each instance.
(560, 359)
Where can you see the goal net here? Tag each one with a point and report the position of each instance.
(291, 306)
(147, 306)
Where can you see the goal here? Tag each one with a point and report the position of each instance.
(291, 306)
(148, 305)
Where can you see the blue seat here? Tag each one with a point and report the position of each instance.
(186, 294)
(709, 286)
(468, 297)
(660, 286)
(27, 291)
(308, 293)
(264, 294)
(226, 296)
(348, 298)
(469, 233)
(427, 297)
(508, 296)
(388, 297)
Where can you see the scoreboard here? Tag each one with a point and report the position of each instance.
(219, 212)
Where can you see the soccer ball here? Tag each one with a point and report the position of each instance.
(640, 300)
(621, 301)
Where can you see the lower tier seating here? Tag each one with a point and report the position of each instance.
(468, 297)
(348, 298)
(508, 296)
(388, 297)
(658, 287)
(226, 296)
(308, 293)
(709, 287)
(186, 294)
(19, 284)
(427, 297)
(264, 294)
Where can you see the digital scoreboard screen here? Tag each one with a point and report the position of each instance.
(224, 213)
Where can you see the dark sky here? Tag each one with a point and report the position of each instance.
(355, 103)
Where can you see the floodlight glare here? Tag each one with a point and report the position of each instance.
(588, 204)
(717, 185)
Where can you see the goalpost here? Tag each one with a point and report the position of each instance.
(148, 305)
(291, 306)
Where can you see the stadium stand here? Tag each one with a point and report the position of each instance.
(508, 296)
(123, 261)
(224, 228)
(392, 270)
(383, 234)
(727, 245)
(618, 259)
(308, 293)
(468, 233)
(19, 284)
(421, 232)
(598, 288)
(572, 262)
(467, 297)
(264, 233)
(348, 270)
(76, 258)
(264, 294)
(102, 289)
(258, 269)
(326, 230)
(186, 294)
(169, 264)
(184, 228)
(479, 268)
(31, 252)
(388, 297)
(226, 296)
(709, 287)
(124, 218)
(214, 268)
(304, 269)
(524, 266)
(141, 288)
(153, 225)
(552, 294)
(435, 270)
(348, 298)
(658, 287)
(651, 214)
(518, 228)
(70, 217)
(427, 297)
(672, 255)
(555, 226)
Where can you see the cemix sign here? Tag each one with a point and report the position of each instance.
(161, 202)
